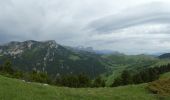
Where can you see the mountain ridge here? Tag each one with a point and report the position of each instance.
(165, 56)
(50, 57)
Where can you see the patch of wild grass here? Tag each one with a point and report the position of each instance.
(160, 87)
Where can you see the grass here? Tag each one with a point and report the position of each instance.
(160, 87)
(13, 89)
(161, 62)
(116, 73)
(74, 58)
(165, 76)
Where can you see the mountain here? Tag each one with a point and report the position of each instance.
(55, 59)
(90, 49)
(165, 56)
(82, 48)
(50, 57)
(107, 52)
(116, 64)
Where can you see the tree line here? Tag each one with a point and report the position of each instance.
(75, 81)
(144, 76)
(82, 80)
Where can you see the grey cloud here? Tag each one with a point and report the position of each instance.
(149, 13)
(36, 20)
(74, 23)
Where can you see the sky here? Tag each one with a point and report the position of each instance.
(127, 26)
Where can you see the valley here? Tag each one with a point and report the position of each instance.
(61, 71)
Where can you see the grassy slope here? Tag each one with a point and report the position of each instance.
(13, 89)
(133, 63)
(161, 62)
(164, 76)
(118, 63)
(162, 86)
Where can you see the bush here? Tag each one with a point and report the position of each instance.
(98, 82)
(18, 74)
(75, 81)
(161, 87)
(38, 77)
(7, 68)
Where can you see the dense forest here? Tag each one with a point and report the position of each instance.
(144, 76)
(82, 80)
(68, 80)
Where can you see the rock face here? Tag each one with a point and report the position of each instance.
(50, 57)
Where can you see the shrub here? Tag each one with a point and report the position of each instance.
(99, 82)
(161, 87)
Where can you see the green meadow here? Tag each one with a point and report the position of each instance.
(13, 89)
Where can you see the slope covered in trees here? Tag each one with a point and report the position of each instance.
(58, 60)
(144, 76)
(50, 57)
(68, 80)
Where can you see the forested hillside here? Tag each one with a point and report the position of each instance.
(50, 57)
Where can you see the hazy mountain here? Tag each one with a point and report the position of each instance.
(91, 49)
(164, 56)
(107, 52)
(88, 49)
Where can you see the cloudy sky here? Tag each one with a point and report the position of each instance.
(128, 26)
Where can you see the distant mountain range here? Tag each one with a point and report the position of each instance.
(55, 59)
(165, 56)
(90, 49)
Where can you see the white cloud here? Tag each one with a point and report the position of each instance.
(123, 25)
